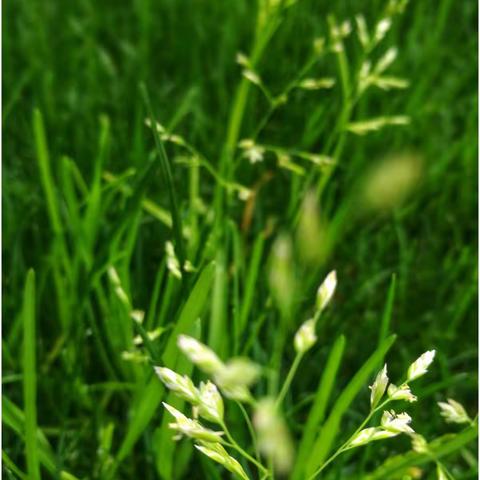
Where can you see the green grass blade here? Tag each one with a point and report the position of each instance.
(168, 178)
(14, 418)
(30, 377)
(387, 312)
(320, 403)
(148, 398)
(46, 178)
(8, 464)
(325, 439)
(395, 466)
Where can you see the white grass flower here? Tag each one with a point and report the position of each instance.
(366, 126)
(242, 59)
(383, 26)
(180, 385)
(217, 453)
(368, 435)
(251, 76)
(396, 422)
(402, 392)
(173, 264)
(420, 366)
(386, 60)
(305, 337)
(453, 412)
(210, 404)
(254, 154)
(191, 428)
(326, 290)
(199, 354)
(387, 83)
(362, 30)
(379, 386)
(316, 83)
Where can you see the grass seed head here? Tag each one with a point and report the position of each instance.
(420, 366)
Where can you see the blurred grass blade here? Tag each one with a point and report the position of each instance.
(168, 179)
(387, 312)
(397, 466)
(325, 439)
(9, 465)
(320, 403)
(30, 377)
(14, 418)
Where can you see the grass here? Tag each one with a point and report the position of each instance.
(92, 195)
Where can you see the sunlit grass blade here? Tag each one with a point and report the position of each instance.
(319, 406)
(30, 376)
(329, 431)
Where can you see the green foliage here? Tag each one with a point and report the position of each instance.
(196, 168)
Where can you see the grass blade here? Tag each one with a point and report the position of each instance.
(317, 411)
(30, 377)
(325, 439)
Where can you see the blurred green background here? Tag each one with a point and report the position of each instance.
(80, 61)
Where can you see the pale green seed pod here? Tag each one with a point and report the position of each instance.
(305, 337)
(402, 392)
(453, 412)
(210, 405)
(217, 453)
(420, 366)
(326, 290)
(396, 422)
(379, 386)
(368, 435)
(180, 385)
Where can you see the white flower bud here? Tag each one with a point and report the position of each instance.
(402, 392)
(199, 354)
(420, 366)
(181, 386)
(326, 290)
(379, 386)
(191, 428)
(368, 435)
(453, 412)
(211, 404)
(217, 453)
(396, 422)
(305, 337)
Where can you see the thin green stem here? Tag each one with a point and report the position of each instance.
(251, 430)
(288, 380)
(345, 445)
(242, 452)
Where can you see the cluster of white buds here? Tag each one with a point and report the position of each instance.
(338, 33)
(251, 151)
(453, 412)
(305, 337)
(392, 424)
(418, 368)
(173, 264)
(217, 453)
(191, 428)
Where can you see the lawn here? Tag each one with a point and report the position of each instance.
(184, 171)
